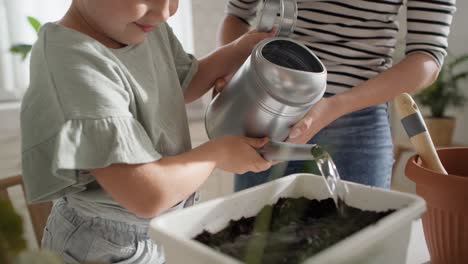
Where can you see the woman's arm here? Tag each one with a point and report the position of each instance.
(416, 71)
(231, 29)
(428, 26)
(412, 74)
(239, 13)
(151, 188)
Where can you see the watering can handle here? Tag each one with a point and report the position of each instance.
(284, 151)
(415, 127)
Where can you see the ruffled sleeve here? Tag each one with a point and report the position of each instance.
(81, 145)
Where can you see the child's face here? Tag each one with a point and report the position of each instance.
(126, 21)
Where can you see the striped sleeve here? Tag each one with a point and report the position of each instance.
(429, 26)
(246, 10)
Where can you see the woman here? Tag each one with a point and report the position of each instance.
(356, 40)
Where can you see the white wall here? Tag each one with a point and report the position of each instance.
(207, 16)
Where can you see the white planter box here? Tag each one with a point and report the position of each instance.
(385, 242)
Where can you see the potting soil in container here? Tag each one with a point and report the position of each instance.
(290, 231)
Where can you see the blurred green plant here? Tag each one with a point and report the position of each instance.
(445, 92)
(11, 233)
(12, 244)
(24, 49)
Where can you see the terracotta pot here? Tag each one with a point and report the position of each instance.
(441, 130)
(445, 222)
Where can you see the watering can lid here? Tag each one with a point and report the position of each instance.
(287, 10)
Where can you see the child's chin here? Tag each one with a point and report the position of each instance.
(134, 40)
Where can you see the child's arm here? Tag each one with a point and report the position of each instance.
(221, 63)
(151, 188)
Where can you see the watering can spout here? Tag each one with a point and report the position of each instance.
(283, 151)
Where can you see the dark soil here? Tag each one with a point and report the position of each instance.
(290, 231)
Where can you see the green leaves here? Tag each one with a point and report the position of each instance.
(24, 49)
(11, 232)
(34, 23)
(21, 49)
(445, 91)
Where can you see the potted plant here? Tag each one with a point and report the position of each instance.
(442, 94)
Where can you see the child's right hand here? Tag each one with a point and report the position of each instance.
(239, 154)
(245, 43)
(240, 49)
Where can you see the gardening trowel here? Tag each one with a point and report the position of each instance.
(415, 127)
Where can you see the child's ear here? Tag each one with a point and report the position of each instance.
(173, 5)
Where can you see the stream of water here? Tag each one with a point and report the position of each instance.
(283, 151)
(337, 188)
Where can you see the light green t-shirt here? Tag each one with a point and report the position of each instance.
(89, 106)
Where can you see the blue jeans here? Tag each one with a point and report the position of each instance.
(360, 144)
(77, 238)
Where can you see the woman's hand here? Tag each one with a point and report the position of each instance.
(239, 154)
(325, 111)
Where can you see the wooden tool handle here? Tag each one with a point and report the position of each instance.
(414, 125)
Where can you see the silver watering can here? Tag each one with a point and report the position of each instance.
(272, 90)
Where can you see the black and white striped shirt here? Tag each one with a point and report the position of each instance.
(355, 39)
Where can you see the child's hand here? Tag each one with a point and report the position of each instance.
(245, 43)
(239, 154)
(240, 49)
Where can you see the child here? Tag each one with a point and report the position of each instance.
(105, 131)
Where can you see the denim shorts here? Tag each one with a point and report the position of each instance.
(360, 144)
(79, 238)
